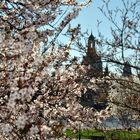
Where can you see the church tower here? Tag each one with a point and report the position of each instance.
(127, 70)
(92, 98)
(92, 59)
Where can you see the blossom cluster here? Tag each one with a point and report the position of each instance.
(124, 98)
(39, 96)
(39, 92)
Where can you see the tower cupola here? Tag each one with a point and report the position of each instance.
(92, 58)
(91, 41)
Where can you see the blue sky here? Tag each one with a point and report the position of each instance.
(88, 20)
(88, 17)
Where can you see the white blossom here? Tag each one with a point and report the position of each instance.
(21, 121)
(6, 128)
(34, 130)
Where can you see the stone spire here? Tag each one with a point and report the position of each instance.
(106, 72)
